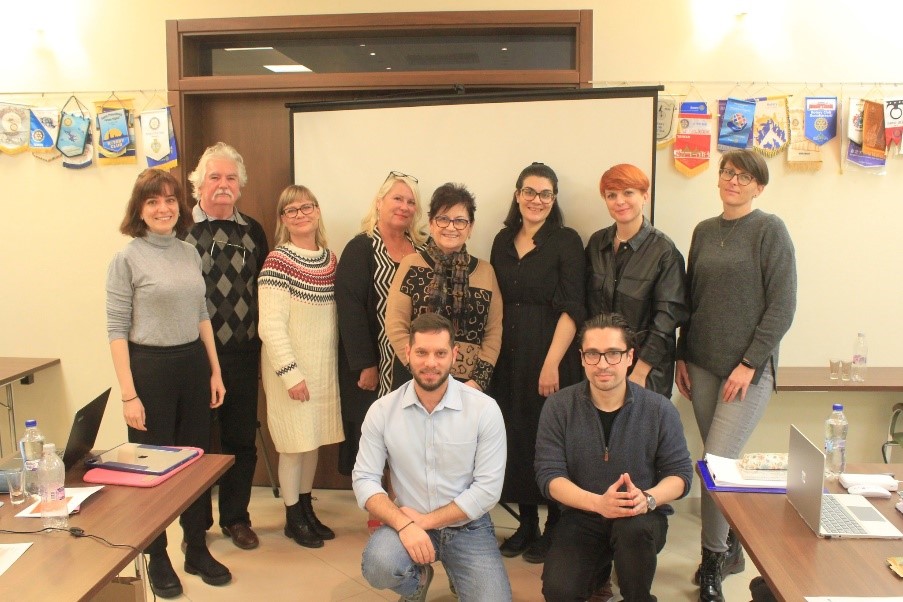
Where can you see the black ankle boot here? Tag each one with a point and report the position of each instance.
(298, 528)
(734, 560)
(710, 576)
(526, 534)
(199, 561)
(163, 579)
(307, 506)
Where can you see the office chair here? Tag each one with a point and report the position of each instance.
(894, 433)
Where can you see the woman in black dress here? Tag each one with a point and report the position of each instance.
(367, 368)
(540, 267)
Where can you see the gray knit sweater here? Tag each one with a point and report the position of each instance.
(155, 292)
(742, 294)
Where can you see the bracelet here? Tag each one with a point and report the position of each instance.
(405, 527)
(746, 362)
(130, 399)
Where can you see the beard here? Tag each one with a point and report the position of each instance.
(430, 386)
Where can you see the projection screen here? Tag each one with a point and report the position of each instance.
(343, 151)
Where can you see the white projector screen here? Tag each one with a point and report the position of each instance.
(343, 151)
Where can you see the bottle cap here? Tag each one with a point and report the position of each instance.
(31, 423)
(50, 448)
(838, 407)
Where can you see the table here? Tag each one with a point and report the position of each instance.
(796, 563)
(877, 380)
(77, 568)
(21, 369)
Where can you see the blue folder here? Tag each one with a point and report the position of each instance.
(709, 482)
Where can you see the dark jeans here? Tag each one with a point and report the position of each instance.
(174, 386)
(583, 544)
(237, 419)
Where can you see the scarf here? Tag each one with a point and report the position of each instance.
(450, 277)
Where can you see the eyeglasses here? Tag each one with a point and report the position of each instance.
(728, 174)
(612, 356)
(460, 223)
(305, 209)
(546, 196)
(228, 245)
(398, 174)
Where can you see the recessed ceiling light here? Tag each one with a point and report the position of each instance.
(372, 54)
(388, 68)
(363, 45)
(504, 49)
(249, 48)
(287, 68)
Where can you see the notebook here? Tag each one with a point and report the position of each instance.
(82, 436)
(829, 514)
(142, 458)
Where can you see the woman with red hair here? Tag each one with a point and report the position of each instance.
(636, 271)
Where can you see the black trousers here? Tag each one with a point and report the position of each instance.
(174, 386)
(583, 545)
(237, 419)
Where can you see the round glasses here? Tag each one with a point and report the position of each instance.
(612, 356)
(727, 174)
(546, 196)
(305, 209)
(460, 223)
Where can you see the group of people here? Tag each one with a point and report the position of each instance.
(539, 378)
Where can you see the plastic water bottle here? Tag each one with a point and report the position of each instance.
(836, 427)
(52, 476)
(31, 446)
(860, 358)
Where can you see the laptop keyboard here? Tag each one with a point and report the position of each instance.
(836, 519)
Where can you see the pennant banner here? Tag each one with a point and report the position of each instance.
(116, 132)
(821, 118)
(693, 142)
(855, 155)
(159, 139)
(74, 128)
(802, 153)
(85, 158)
(45, 127)
(735, 128)
(873, 129)
(893, 125)
(772, 126)
(665, 128)
(14, 128)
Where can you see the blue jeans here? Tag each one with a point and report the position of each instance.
(470, 554)
(725, 428)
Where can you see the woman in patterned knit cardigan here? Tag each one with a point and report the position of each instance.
(296, 290)
(445, 279)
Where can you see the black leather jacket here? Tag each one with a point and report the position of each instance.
(651, 295)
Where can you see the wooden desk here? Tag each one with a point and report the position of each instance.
(122, 515)
(21, 369)
(796, 563)
(877, 380)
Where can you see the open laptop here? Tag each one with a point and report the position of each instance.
(829, 514)
(82, 436)
(142, 458)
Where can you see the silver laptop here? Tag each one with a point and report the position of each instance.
(142, 458)
(829, 514)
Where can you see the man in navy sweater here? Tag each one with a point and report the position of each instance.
(613, 454)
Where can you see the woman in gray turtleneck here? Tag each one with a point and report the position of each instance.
(163, 353)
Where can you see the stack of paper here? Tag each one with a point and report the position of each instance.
(726, 473)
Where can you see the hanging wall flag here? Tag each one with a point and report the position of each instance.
(735, 130)
(873, 129)
(772, 126)
(821, 118)
(14, 122)
(158, 138)
(83, 160)
(893, 125)
(693, 142)
(45, 127)
(855, 134)
(665, 128)
(115, 131)
(802, 153)
(74, 125)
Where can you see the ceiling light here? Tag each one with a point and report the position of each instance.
(504, 49)
(287, 68)
(249, 48)
(372, 54)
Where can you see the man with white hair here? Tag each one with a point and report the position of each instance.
(232, 247)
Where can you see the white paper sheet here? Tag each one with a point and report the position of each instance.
(9, 553)
(76, 496)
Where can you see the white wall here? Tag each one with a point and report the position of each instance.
(59, 228)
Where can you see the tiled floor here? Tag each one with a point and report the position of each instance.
(282, 570)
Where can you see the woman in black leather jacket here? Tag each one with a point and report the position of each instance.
(636, 270)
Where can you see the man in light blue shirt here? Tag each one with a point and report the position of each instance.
(446, 449)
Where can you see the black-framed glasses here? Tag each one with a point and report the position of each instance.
(546, 196)
(460, 223)
(398, 174)
(612, 356)
(305, 209)
(727, 174)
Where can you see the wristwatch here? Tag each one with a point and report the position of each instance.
(650, 501)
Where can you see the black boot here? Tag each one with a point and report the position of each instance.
(297, 527)
(163, 579)
(307, 506)
(734, 560)
(199, 561)
(710, 576)
(526, 534)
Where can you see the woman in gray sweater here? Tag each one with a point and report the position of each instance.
(163, 353)
(741, 274)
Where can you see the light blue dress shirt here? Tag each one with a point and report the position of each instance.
(455, 454)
